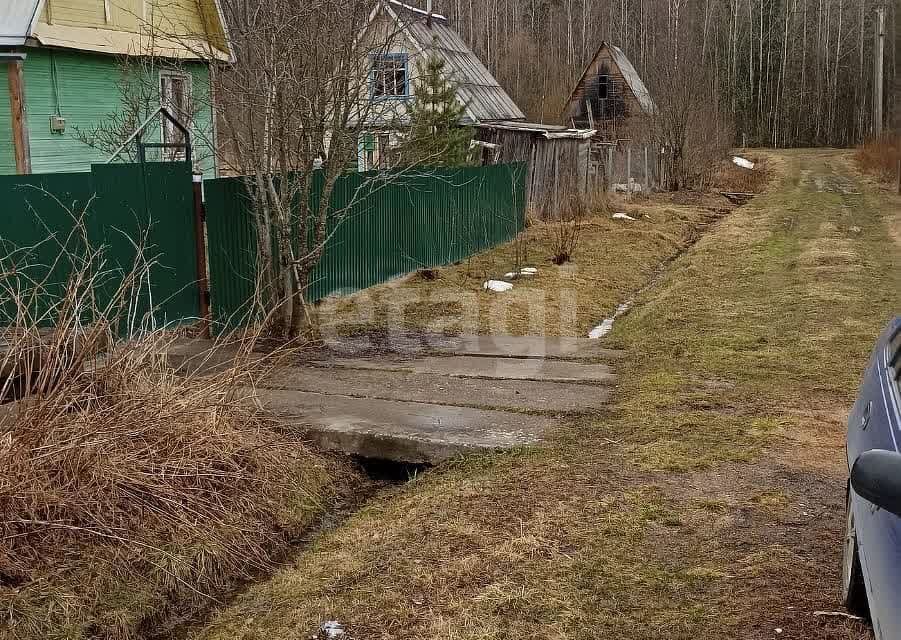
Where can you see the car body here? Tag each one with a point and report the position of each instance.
(871, 567)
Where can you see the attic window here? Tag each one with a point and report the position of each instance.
(603, 84)
(389, 76)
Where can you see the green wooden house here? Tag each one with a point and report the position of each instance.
(82, 74)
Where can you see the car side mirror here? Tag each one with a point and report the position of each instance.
(876, 477)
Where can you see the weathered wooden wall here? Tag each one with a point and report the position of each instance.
(557, 168)
(603, 64)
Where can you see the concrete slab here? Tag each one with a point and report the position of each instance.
(523, 395)
(485, 367)
(561, 348)
(400, 431)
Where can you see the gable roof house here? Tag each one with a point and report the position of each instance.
(610, 96)
(411, 34)
(557, 157)
(64, 64)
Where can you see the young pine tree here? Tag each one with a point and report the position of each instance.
(436, 136)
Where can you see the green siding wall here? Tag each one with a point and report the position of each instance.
(7, 149)
(86, 89)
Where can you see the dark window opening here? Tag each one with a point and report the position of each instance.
(389, 76)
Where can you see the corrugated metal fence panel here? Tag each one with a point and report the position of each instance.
(232, 250)
(125, 206)
(382, 226)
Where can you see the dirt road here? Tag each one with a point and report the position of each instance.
(706, 503)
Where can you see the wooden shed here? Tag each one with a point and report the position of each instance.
(557, 156)
(609, 97)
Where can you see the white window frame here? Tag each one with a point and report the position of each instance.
(186, 119)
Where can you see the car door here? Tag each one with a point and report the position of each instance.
(875, 423)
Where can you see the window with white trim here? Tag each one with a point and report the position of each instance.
(389, 76)
(175, 96)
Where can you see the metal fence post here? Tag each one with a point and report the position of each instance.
(200, 251)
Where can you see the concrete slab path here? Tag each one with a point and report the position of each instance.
(423, 399)
(404, 386)
(488, 367)
(562, 348)
(411, 432)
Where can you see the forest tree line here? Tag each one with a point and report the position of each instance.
(770, 72)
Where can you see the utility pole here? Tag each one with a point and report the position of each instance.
(879, 83)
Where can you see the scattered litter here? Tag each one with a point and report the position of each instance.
(525, 271)
(331, 629)
(855, 229)
(607, 325)
(836, 614)
(778, 629)
(743, 162)
(602, 329)
(622, 216)
(498, 286)
(629, 187)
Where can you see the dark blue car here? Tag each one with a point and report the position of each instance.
(871, 563)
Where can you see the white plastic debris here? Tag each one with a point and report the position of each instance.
(602, 329)
(627, 187)
(529, 271)
(331, 629)
(744, 163)
(498, 286)
(622, 216)
(607, 325)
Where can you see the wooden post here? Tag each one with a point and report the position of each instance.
(17, 116)
(608, 170)
(203, 283)
(629, 170)
(647, 179)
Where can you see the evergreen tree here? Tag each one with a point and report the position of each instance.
(435, 135)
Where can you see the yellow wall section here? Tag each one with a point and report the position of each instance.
(84, 24)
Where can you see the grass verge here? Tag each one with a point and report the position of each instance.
(707, 503)
(613, 258)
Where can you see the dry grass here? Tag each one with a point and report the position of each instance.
(732, 178)
(880, 157)
(606, 531)
(612, 259)
(131, 496)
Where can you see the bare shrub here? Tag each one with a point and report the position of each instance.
(565, 226)
(880, 157)
(129, 494)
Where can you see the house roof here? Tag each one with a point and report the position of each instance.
(20, 20)
(16, 20)
(633, 80)
(483, 96)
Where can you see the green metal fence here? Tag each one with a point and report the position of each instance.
(389, 224)
(124, 205)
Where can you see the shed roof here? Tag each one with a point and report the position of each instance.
(633, 79)
(549, 131)
(16, 18)
(483, 96)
